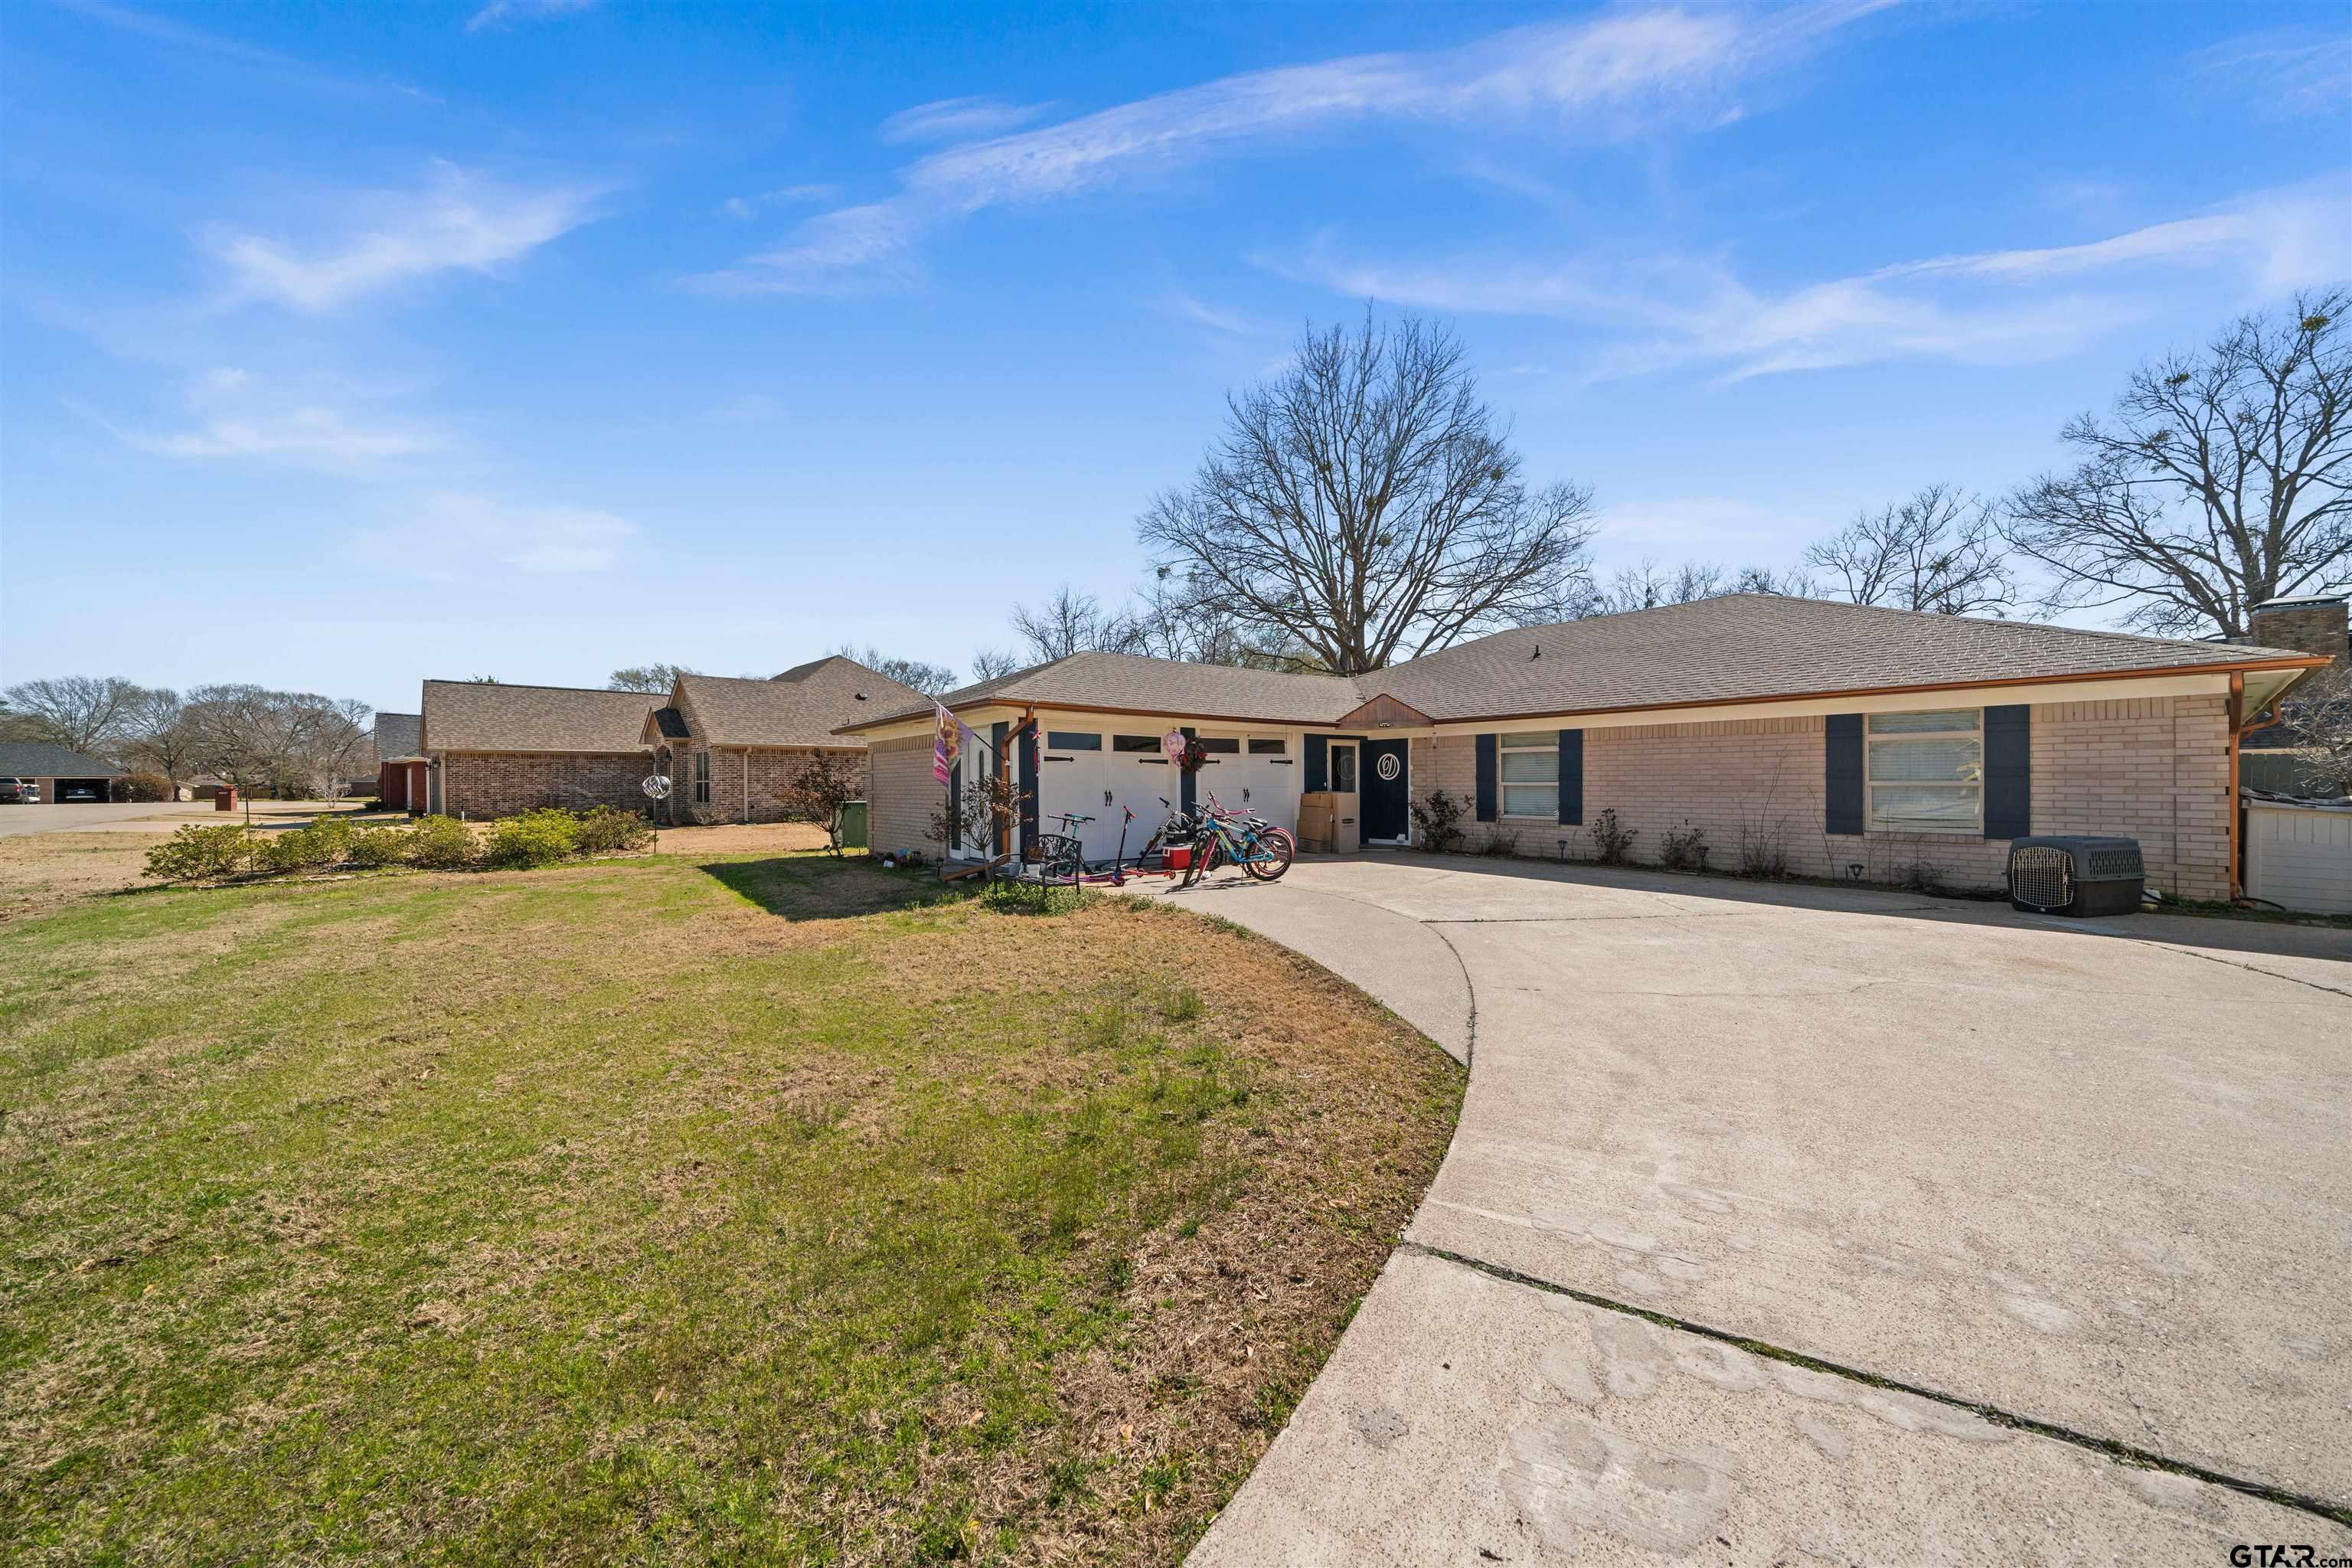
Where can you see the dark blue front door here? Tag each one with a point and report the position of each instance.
(1386, 785)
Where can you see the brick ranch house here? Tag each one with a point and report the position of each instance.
(730, 748)
(488, 749)
(63, 777)
(1823, 736)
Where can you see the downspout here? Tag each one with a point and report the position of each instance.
(747, 785)
(2237, 718)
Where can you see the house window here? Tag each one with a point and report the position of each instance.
(702, 778)
(1220, 746)
(1072, 740)
(1926, 772)
(1135, 744)
(1530, 773)
(1261, 747)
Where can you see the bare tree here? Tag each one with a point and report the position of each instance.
(655, 678)
(1366, 506)
(990, 663)
(821, 784)
(80, 712)
(159, 736)
(1648, 585)
(1070, 622)
(2319, 718)
(930, 679)
(2224, 479)
(255, 737)
(1940, 550)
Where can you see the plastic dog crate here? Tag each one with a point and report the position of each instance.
(2076, 876)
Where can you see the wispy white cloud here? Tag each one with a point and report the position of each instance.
(1624, 73)
(1192, 309)
(958, 120)
(507, 12)
(172, 33)
(451, 534)
(459, 221)
(2012, 306)
(2285, 70)
(232, 414)
(750, 206)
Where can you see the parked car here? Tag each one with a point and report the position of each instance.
(20, 791)
(77, 793)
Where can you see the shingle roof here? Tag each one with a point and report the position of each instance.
(39, 759)
(396, 734)
(1750, 647)
(1738, 647)
(486, 716)
(802, 706)
(1125, 682)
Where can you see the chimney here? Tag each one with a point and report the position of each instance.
(2312, 623)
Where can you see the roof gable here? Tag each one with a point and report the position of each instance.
(802, 706)
(490, 716)
(1131, 683)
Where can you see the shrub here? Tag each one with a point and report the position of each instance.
(1498, 842)
(1612, 842)
(193, 854)
(821, 784)
(326, 841)
(606, 831)
(1684, 851)
(1437, 817)
(538, 837)
(380, 846)
(442, 843)
(147, 786)
(1764, 853)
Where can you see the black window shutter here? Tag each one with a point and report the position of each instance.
(955, 804)
(1842, 788)
(2009, 770)
(1028, 786)
(1318, 762)
(1571, 776)
(995, 764)
(1486, 778)
(1187, 783)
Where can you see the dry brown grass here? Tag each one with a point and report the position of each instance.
(673, 1209)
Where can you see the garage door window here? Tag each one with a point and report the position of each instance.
(1530, 769)
(1926, 772)
(1220, 746)
(1261, 746)
(1072, 740)
(1135, 744)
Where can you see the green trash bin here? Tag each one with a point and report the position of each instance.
(849, 826)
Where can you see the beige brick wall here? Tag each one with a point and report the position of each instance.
(903, 795)
(499, 783)
(2153, 769)
(770, 770)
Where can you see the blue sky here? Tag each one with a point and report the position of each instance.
(341, 346)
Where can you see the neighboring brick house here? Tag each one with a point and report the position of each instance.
(731, 748)
(63, 777)
(1796, 732)
(492, 749)
(399, 758)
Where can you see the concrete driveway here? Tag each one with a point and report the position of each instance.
(1796, 1223)
(153, 815)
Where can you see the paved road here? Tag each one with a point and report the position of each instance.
(2094, 1180)
(148, 816)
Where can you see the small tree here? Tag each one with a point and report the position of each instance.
(822, 784)
(2318, 716)
(985, 812)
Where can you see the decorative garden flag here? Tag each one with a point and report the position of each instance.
(947, 742)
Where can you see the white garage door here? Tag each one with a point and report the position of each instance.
(1095, 773)
(1260, 774)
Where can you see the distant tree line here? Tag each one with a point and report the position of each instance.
(287, 742)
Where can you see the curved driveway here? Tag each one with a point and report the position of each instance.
(1980, 1192)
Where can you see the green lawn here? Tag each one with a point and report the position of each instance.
(754, 1209)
